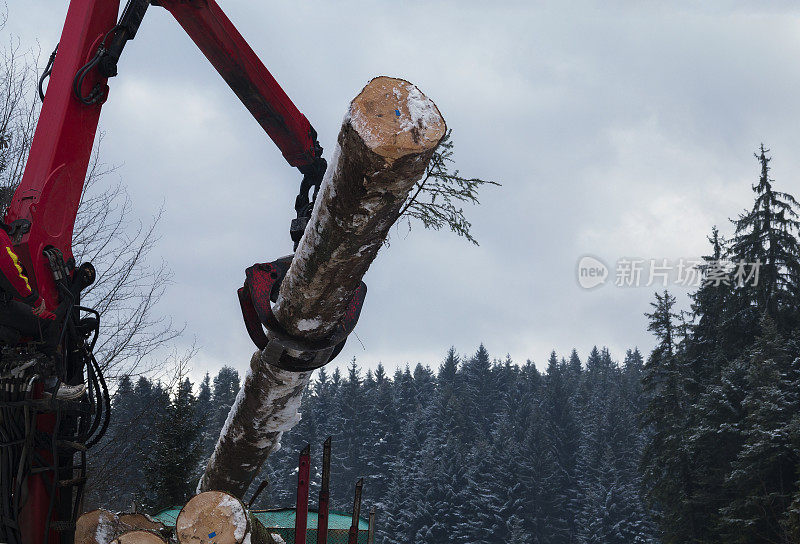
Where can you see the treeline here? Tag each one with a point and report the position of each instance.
(478, 451)
(699, 444)
(723, 459)
(483, 451)
(161, 435)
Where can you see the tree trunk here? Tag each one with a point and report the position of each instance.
(266, 406)
(385, 144)
(214, 516)
(386, 141)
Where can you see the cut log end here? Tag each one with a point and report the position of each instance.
(96, 527)
(212, 517)
(139, 537)
(102, 527)
(394, 118)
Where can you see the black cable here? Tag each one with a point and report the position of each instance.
(106, 405)
(94, 399)
(13, 455)
(8, 529)
(47, 71)
(23, 447)
(96, 94)
(54, 485)
(312, 178)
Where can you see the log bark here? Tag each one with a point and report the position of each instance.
(139, 536)
(136, 521)
(219, 518)
(385, 143)
(267, 405)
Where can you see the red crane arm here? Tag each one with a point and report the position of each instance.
(51, 186)
(226, 49)
(49, 193)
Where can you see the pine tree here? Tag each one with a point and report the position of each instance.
(509, 448)
(720, 321)
(666, 461)
(450, 396)
(424, 384)
(478, 384)
(203, 418)
(767, 235)
(407, 508)
(762, 481)
(176, 451)
(323, 402)
(483, 524)
(349, 440)
(538, 474)
(109, 460)
(226, 387)
(383, 432)
(564, 435)
(517, 530)
(146, 409)
(612, 509)
(405, 396)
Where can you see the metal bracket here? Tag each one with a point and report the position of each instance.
(284, 353)
(17, 229)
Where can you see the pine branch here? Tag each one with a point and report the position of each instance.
(434, 202)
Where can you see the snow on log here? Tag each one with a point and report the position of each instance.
(387, 139)
(139, 537)
(267, 405)
(218, 518)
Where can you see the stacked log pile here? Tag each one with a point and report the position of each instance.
(102, 527)
(212, 516)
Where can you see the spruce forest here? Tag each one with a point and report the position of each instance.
(695, 442)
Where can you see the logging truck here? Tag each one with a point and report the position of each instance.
(298, 309)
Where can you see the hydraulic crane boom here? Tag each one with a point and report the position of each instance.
(241, 68)
(43, 210)
(51, 187)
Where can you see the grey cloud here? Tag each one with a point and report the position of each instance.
(622, 131)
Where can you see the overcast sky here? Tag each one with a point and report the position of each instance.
(617, 132)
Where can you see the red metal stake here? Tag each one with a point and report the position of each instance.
(352, 537)
(324, 494)
(371, 534)
(301, 512)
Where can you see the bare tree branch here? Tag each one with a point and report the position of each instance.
(129, 284)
